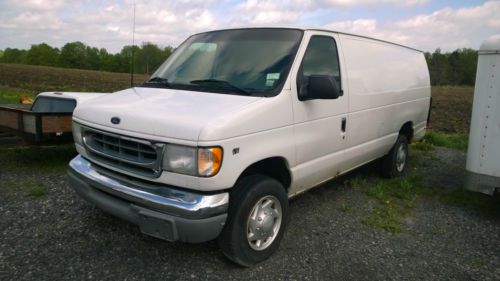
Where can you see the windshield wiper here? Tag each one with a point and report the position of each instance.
(222, 84)
(157, 81)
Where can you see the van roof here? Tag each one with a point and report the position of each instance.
(316, 29)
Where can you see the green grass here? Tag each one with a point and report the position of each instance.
(394, 200)
(37, 158)
(386, 218)
(12, 95)
(454, 140)
(482, 203)
(403, 188)
(423, 146)
(36, 190)
(26, 185)
(356, 182)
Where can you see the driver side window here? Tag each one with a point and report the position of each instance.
(321, 58)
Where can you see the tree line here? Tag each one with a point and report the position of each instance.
(147, 57)
(451, 68)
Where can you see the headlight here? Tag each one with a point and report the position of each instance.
(180, 159)
(193, 161)
(77, 133)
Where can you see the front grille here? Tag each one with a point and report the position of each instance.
(129, 154)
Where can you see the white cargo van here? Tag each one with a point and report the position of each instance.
(237, 121)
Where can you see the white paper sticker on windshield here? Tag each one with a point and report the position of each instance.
(273, 76)
(270, 83)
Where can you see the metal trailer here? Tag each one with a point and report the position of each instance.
(483, 156)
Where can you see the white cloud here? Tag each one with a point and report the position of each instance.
(260, 12)
(373, 2)
(447, 28)
(35, 4)
(109, 23)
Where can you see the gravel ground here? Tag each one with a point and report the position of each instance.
(58, 236)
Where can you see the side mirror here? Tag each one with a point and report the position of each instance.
(320, 87)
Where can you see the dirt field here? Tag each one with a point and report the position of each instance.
(451, 109)
(34, 79)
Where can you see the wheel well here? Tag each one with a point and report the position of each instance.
(275, 167)
(407, 131)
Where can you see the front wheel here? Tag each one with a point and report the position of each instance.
(258, 213)
(394, 163)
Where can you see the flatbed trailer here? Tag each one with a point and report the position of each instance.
(47, 120)
(36, 127)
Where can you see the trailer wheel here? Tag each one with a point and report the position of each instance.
(394, 163)
(257, 217)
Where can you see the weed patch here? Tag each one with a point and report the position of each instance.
(394, 199)
(423, 146)
(36, 190)
(385, 217)
(454, 141)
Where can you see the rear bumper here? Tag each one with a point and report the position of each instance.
(481, 183)
(160, 211)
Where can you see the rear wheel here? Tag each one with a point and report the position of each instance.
(258, 213)
(394, 163)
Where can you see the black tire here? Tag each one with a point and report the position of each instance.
(390, 163)
(244, 196)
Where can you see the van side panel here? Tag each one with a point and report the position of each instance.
(388, 86)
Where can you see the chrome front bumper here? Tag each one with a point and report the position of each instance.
(162, 211)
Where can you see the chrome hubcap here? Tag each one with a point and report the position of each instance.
(401, 158)
(264, 223)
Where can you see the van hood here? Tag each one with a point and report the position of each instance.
(166, 113)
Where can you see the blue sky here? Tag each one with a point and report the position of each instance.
(423, 24)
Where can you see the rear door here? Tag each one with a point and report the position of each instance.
(319, 125)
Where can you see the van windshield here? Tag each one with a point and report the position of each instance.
(252, 62)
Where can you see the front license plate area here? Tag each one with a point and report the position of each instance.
(154, 225)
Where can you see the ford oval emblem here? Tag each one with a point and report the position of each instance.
(115, 120)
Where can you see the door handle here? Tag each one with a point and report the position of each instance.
(343, 125)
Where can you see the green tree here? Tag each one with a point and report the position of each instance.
(126, 58)
(438, 68)
(92, 59)
(149, 58)
(13, 55)
(469, 64)
(455, 68)
(42, 54)
(73, 55)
